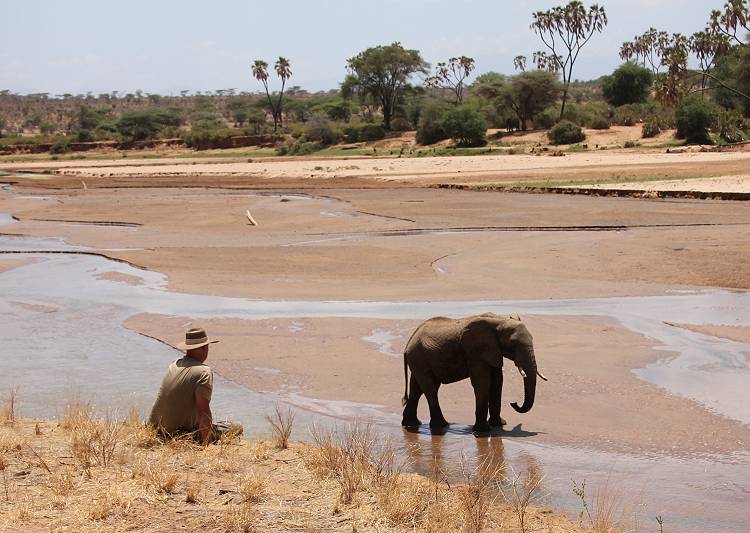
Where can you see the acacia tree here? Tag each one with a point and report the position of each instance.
(381, 73)
(284, 72)
(452, 75)
(565, 30)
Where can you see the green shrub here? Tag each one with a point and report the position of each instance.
(732, 127)
(632, 144)
(465, 125)
(651, 128)
(695, 116)
(430, 128)
(547, 118)
(630, 83)
(322, 131)
(599, 123)
(61, 146)
(400, 124)
(364, 133)
(298, 147)
(565, 132)
(85, 136)
(146, 124)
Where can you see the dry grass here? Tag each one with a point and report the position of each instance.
(610, 510)
(9, 409)
(520, 491)
(349, 481)
(239, 519)
(251, 489)
(281, 422)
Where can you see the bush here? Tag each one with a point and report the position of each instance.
(322, 131)
(695, 117)
(629, 83)
(651, 128)
(632, 144)
(85, 136)
(364, 133)
(400, 124)
(732, 127)
(466, 126)
(565, 132)
(547, 118)
(599, 123)
(430, 128)
(298, 147)
(60, 147)
(146, 124)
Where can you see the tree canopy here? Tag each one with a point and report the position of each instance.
(381, 73)
(630, 83)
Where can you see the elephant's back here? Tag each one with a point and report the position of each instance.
(434, 334)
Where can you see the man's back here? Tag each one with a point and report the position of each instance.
(174, 409)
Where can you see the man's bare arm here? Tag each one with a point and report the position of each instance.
(202, 406)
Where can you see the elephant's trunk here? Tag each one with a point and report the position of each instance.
(529, 385)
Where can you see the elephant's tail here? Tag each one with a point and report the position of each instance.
(406, 383)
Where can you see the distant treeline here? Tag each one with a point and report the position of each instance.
(390, 88)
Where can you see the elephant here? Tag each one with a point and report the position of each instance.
(443, 350)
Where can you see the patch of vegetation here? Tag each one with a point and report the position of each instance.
(565, 132)
(695, 117)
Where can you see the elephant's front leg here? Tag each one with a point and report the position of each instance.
(480, 380)
(496, 393)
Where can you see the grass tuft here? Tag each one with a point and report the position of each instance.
(281, 422)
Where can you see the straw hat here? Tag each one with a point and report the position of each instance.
(195, 338)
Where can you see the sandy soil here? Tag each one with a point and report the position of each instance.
(423, 171)
(736, 184)
(592, 400)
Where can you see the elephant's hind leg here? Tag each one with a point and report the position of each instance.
(410, 409)
(430, 386)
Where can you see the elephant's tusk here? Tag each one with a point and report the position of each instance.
(541, 375)
(522, 372)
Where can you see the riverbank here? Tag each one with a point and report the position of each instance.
(86, 474)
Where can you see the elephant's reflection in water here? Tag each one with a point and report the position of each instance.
(451, 459)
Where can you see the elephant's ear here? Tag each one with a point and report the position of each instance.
(479, 341)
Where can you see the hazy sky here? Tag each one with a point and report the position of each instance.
(164, 46)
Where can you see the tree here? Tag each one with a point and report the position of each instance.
(630, 83)
(284, 72)
(732, 20)
(565, 30)
(526, 94)
(381, 73)
(648, 48)
(146, 124)
(2, 125)
(451, 76)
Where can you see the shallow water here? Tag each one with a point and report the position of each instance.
(73, 342)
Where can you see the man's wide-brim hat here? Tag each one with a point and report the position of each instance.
(195, 338)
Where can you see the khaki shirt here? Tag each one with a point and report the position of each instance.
(174, 409)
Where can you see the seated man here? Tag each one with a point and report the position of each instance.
(182, 405)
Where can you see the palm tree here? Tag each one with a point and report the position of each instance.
(260, 73)
(283, 71)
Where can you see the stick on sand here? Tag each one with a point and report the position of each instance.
(250, 218)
